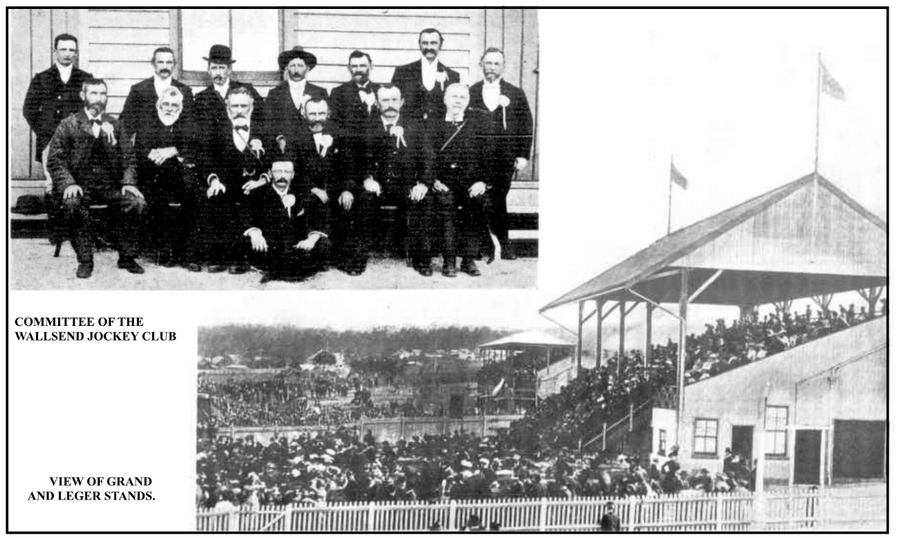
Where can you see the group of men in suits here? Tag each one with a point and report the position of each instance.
(294, 182)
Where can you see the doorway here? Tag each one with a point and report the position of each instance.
(743, 442)
(807, 456)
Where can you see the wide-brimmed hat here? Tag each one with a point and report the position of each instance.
(30, 204)
(287, 56)
(219, 54)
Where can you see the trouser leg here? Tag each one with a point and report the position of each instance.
(445, 214)
(76, 219)
(419, 216)
(472, 225)
(498, 216)
(132, 213)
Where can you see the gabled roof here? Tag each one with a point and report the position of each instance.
(664, 252)
(529, 338)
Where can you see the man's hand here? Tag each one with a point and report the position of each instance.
(346, 199)
(476, 189)
(308, 243)
(255, 145)
(371, 186)
(321, 194)
(215, 188)
(418, 192)
(439, 186)
(282, 143)
(132, 190)
(258, 240)
(72, 191)
(251, 185)
(520, 164)
(160, 155)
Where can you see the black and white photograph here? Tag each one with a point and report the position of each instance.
(176, 149)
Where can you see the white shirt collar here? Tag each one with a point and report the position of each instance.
(388, 122)
(297, 85)
(448, 117)
(161, 84)
(425, 63)
(64, 69)
(90, 117)
(222, 90)
(496, 84)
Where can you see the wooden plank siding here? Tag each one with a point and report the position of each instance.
(117, 44)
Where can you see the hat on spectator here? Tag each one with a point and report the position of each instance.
(219, 54)
(285, 57)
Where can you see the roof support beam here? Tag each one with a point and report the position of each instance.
(631, 308)
(652, 302)
(587, 318)
(599, 304)
(705, 285)
(559, 324)
(611, 310)
(680, 362)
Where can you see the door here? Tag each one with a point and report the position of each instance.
(743, 442)
(807, 454)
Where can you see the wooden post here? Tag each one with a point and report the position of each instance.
(453, 516)
(719, 512)
(630, 416)
(680, 366)
(543, 514)
(579, 339)
(621, 352)
(599, 306)
(649, 311)
(604, 437)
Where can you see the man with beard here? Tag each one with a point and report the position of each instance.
(211, 105)
(355, 102)
(459, 184)
(286, 101)
(86, 161)
(423, 82)
(163, 159)
(510, 125)
(394, 168)
(140, 105)
(53, 95)
(286, 228)
(230, 161)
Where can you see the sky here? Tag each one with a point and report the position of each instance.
(729, 94)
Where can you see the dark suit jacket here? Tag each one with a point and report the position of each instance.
(70, 150)
(348, 111)
(517, 139)
(140, 105)
(153, 135)
(420, 103)
(211, 109)
(460, 163)
(221, 157)
(49, 101)
(396, 169)
(283, 228)
(333, 173)
(282, 116)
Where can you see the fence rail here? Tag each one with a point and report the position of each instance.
(792, 509)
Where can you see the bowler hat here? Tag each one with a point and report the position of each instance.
(287, 56)
(29, 204)
(219, 54)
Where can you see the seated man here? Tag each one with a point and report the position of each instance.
(287, 228)
(459, 146)
(86, 161)
(393, 166)
(163, 158)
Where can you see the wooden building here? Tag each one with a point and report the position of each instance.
(117, 44)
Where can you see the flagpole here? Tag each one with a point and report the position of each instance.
(818, 92)
(670, 200)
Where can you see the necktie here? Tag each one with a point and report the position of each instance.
(95, 122)
(241, 128)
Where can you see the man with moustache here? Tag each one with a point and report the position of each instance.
(393, 167)
(211, 105)
(510, 124)
(140, 105)
(286, 101)
(231, 159)
(423, 82)
(163, 161)
(355, 102)
(458, 146)
(86, 160)
(53, 95)
(287, 228)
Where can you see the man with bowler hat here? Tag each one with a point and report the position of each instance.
(210, 104)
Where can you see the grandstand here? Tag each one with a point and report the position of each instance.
(782, 391)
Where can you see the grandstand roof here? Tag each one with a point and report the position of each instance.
(794, 241)
(524, 339)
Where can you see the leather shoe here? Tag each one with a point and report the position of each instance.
(84, 270)
(194, 267)
(425, 271)
(217, 268)
(237, 269)
(449, 271)
(131, 266)
(469, 267)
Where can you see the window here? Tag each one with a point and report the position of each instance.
(662, 441)
(255, 37)
(705, 436)
(776, 431)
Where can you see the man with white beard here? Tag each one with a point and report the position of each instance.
(163, 162)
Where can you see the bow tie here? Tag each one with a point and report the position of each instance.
(365, 89)
(95, 122)
(241, 128)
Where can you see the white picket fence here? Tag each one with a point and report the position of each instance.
(786, 510)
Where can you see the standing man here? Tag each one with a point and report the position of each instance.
(355, 102)
(610, 521)
(87, 162)
(423, 82)
(460, 186)
(230, 160)
(394, 168)
(211, 105)
(52, 96)
(510, 128)
(163, 160)
(286, 101)
(140, 105)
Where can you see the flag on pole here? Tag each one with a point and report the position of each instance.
(830, 85)
(498, 387)
(677, 177)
